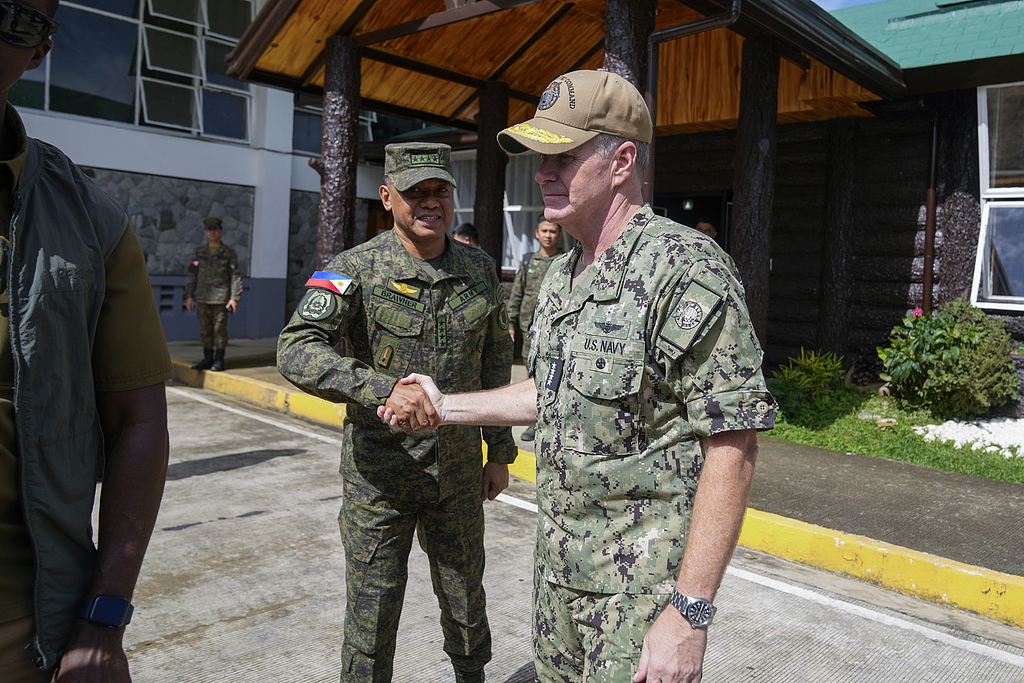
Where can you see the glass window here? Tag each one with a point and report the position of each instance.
(172, 53)
(189, 11)
(92, 66)
(1006, 136)
(170, 104)
(224, 114)
(999, 272)
(307, 133)
(146, 63)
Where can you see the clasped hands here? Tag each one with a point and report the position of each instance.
(415, 405)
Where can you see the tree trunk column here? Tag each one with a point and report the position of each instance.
(340, 149)
(836, 276)
(488, 207)
(754, 175)
(628, 25)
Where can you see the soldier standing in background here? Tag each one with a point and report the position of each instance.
(214, 286)
(526, 288)
(410, 299)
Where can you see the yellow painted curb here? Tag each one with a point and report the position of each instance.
(993, 594)
(983, 591)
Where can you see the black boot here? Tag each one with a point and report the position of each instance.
(207, 362)
(469, 676)
(218, 360)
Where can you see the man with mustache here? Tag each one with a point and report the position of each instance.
(410, 299)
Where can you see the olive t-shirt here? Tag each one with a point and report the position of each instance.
(130, 352)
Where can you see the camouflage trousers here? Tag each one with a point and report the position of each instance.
(213, 325)
(377, 533)
(592, 637)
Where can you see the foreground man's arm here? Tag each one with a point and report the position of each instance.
(134, 427)
(673, 651)
(508, 406)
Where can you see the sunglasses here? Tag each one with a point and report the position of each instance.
(24, 27)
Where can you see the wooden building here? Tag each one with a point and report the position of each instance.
(823, 200)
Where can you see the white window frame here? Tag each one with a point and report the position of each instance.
(1006, 197)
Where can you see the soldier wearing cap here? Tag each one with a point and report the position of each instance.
(213, 287)
(647, 391)
(411, 299)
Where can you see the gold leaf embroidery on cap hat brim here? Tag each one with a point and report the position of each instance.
(534, 133)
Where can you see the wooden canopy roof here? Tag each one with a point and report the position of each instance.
(425, 60)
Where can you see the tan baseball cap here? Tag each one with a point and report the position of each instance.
(576, 107)
(412, 162)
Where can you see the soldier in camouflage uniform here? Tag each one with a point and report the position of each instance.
(522, 302)
(647, 392)
(213, 287)
(411, 299)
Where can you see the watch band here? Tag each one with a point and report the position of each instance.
(109, 611)
(698, 611)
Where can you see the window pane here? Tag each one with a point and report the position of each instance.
(225, 115)
(217, 67)
(29, 91)
(126, 8)
(1006, 231)
(172, 52)
(92, 66)
(184, 10)
(169, 104)
(307, 134)
(1006, 141)
(229, 17)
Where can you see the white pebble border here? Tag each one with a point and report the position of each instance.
(1002, 435)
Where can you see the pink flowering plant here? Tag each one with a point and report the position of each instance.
(956, 362)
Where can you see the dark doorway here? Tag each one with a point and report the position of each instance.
(689, 209)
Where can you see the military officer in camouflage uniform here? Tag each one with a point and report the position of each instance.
(213, 287)
(647, 392)
(522, 301)
(411, 299)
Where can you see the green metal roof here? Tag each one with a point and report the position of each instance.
(921, 33)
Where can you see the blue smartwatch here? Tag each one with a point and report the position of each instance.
(108, 611)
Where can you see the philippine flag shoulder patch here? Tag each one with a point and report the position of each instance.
(332, 282)
(193, 262)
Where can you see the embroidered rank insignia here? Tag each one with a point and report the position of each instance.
(332, 282)
(402, 288)
(384, 357)
(316, 305)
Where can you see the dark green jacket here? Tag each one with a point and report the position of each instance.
(396, 319)
(63, 228)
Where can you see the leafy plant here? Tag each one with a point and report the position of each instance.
(816, 372)
(957, 362)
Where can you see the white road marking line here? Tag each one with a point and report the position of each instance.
(888, 620)
(177, 391)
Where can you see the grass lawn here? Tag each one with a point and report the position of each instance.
(831, 421)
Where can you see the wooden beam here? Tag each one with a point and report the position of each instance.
(790, 54)
(447, 18)
(350, 24)
(504, 66)
(258, 36)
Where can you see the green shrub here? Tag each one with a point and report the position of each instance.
(815, 372)
(957, 362)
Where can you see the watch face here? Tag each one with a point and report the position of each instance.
(108, 610)
(699, 612)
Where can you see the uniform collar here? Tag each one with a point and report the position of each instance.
(603, 281)
(454, 263)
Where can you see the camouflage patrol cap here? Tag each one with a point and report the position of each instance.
(412, 162)
(575, 108)
(213, 223)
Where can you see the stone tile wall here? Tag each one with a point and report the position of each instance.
(167, 215)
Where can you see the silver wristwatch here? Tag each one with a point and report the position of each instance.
(698, 611)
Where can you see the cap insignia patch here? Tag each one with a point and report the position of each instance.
(534, 133)
(550, 96)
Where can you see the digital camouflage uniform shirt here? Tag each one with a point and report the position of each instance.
(522, 302)
(395, 319)
(651, 350)
(213, 276)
